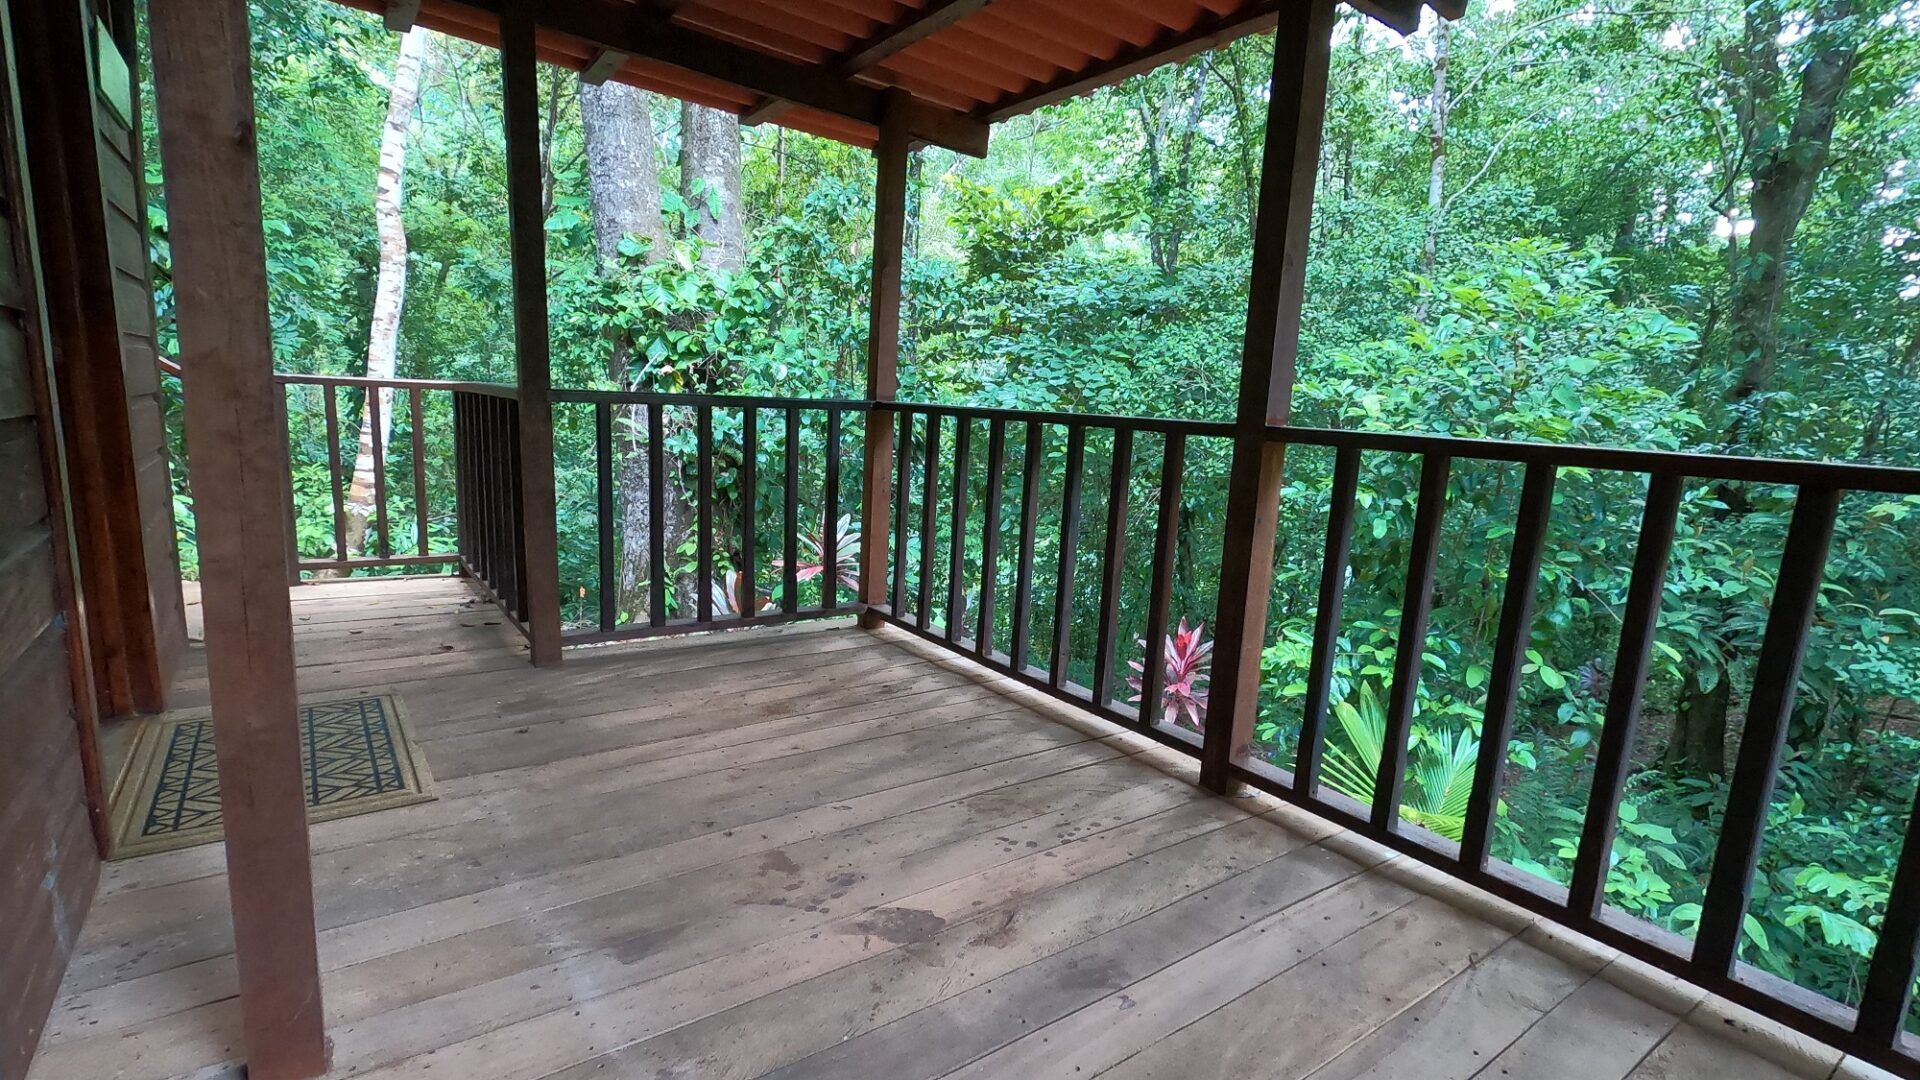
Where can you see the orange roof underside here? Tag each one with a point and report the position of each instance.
(983, 58)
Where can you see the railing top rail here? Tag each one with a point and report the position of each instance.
(1164, 425)
(502, 390)
(1886, 479)
(723, 401)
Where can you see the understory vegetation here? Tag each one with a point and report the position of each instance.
(1631, 225)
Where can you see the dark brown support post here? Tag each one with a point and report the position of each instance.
(1295, 110)
(526, 228)
(883, 354)
(1803, 565)
(1326, 622)
(204, 88)
(1509, 655)
(1637, 626)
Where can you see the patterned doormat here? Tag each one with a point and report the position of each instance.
(357, 755)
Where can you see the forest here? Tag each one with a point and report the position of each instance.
(1685, 226)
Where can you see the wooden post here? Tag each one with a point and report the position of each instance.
(1295, 110)
(883, 352)
(526, 229)
(204, 88)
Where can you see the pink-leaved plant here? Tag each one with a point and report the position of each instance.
(1183, 690)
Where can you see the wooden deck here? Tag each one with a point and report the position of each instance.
(819, 852)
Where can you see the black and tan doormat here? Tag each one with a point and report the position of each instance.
(357, 755)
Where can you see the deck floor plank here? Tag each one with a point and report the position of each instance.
(811, 851)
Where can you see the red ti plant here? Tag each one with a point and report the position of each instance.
(813, 554)
(1183, 690)
(733, 592)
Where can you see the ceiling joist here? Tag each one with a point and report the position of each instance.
(602, 67)
(626, 28)
(872, 52)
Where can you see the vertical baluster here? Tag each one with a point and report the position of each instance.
(1326, 621)
(492, 516)
(1410, 648)
(747, 591)
(903, 496)
(1889, 987)
(1803, 564)
(1061, 653)
(830, 516)
(516, 521)
(333, 476)
(379, 472)
(1509, 655)
(419, 472)
(461, 529)
(990, 534)
(1113, 561)
(929, 521)
(656, 514)
(1637, 627)
(957, 528)
(790, 521)
(603, 461)
(1166, 542)
(703, 541)
(1029, 524)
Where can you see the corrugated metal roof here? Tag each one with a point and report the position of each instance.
(965, 62)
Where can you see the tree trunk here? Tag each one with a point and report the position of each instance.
(623, 180)
(1785, 173)
(1437, 154)
(1698, 747)
(390, 286)
(710, 182)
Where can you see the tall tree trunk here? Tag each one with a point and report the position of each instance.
(710, 182)
(390, 286)
(1437, 111)
(623, 180)
(1785, 171)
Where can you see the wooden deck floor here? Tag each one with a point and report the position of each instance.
(817, 852)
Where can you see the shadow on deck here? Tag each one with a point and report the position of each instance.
(815, 851)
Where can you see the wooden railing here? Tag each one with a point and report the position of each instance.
(492, 542)
(924, 467)
(342, 402)
(721, 588)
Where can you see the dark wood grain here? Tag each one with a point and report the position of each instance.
(1326, 621)
(1410, 646)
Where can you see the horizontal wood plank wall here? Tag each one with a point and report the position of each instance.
(46, 842)
(123, 184)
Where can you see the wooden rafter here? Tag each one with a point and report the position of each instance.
(602, 67)
(870, 53)
(611, 24)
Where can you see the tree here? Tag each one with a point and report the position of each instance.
(390, 290)
(624, 182)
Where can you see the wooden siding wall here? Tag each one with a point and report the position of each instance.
(122, 184)
(88, 207)
(47, 847)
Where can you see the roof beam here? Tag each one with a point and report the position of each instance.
(1168, 48)
(872, 52)
(929, 20)
(611, 24)
(401, 15)
(602, 67)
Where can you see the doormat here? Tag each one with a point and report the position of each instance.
(357, 755)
